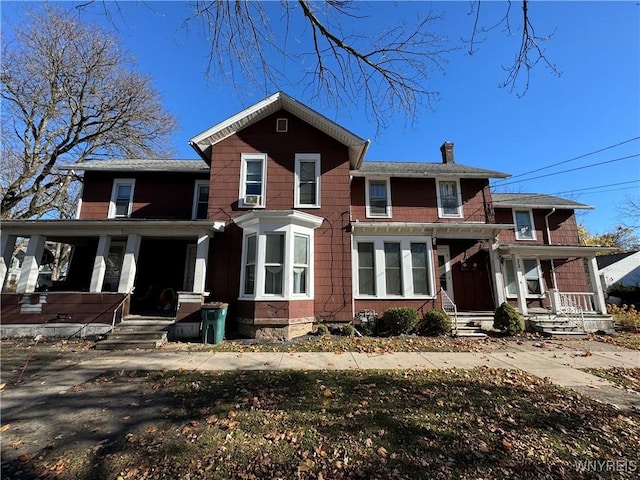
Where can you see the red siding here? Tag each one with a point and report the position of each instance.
(562, 226)
(62, 307)
(414, 200)
(156, 195)
(332, 242)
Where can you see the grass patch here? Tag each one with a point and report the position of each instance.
(480, 423)
(628, 378)
(365, 344)
(629, 340)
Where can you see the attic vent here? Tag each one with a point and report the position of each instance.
(282, 125)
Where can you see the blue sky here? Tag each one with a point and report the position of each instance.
(594, 104)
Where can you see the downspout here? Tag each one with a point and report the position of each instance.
(553, 266)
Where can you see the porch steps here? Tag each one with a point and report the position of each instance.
(137, 332)
(471, 324)
(563, 326)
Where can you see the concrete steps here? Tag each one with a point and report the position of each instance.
(564, 326)
(471, 324)
(137, 332)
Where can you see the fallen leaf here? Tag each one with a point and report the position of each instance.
(5, 427)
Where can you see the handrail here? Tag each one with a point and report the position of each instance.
(450, 308)
(120, 305)
(568, 307)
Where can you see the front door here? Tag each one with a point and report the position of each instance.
(444, 270)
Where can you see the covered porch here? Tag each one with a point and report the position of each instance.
(116, 267)
(553, 277)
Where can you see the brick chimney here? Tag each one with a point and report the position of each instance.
(447, 152)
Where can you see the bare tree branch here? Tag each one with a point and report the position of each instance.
(69, 94)
(530, 52)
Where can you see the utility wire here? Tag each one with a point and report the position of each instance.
(567, 161)
(586, 191)
(572, 169)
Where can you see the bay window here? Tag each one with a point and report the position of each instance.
(278, 254)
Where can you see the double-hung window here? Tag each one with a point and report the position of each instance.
(525, 229)
(278, 255)
(531, 275)
(300, 264)
(392, 267)
(250, 245)
(307, 180)
(378, 197)
(121, 198)
(200, 200)
(449, 199)
(274, 264)
(253, 173)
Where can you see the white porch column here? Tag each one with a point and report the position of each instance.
(596, 286)
(129, 263)
(200, 272)
(28, 280)
(521, 285)
(496, 272)
(7, 244)
(100, 264)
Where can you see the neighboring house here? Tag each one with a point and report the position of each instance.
(285, 220)
(619, 269)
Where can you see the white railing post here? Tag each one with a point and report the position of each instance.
(450, 308)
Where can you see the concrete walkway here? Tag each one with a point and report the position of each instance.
(562, 367)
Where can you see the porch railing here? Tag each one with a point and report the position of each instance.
(572, 305)
(563, 302)
(450, 308)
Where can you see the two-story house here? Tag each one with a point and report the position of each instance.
(284, 219)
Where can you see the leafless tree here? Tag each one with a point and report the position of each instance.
(382, 74)
(69, 93)
(391, 69)
(530, 52)
(629, 210)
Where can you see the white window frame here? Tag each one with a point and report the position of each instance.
(196, 195)
(531, 221)
(306, 266)
(114, 192)
(290, 231)
(406, 267)
(245, 158)
(509, 273)
(441, 213)
(282, 125)
(369, 213)
(306, 157)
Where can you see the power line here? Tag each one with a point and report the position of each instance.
(567, 161)
(585, 191)
(573, 169)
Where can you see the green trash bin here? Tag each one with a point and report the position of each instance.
(213, 321)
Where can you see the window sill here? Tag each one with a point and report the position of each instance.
(395, 297)
(309, 207)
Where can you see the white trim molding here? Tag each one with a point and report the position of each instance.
(245, 192)
(307, 158)
(367, 197)
(260, 227)
(113, 207)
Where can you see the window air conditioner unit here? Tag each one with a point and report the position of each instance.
(252, 200)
